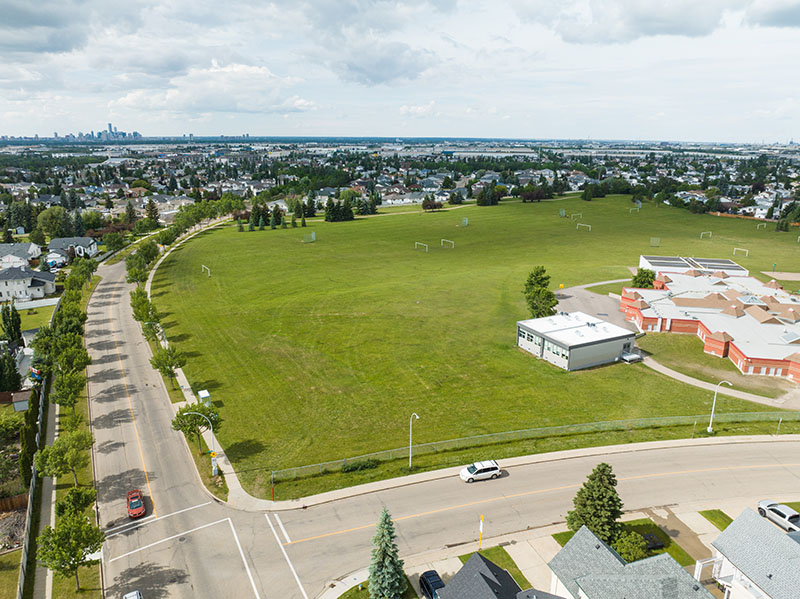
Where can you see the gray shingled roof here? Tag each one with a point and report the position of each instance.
(480, 578)
(589, 565)
(20, 250)
(534, 594)
(15, 273)
(768, 557)
(65, 242)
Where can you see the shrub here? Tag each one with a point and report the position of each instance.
(359, 465)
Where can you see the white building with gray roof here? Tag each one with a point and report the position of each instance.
(756, 560)
(587, 568)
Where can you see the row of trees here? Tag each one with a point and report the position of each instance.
(59, 351)
(339, 210)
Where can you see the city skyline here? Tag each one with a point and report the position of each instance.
(614, 69)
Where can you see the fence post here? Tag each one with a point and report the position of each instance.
(693, 427)
(779, 426)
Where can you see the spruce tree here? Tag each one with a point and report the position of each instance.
(386, 577)
(11, 378)
(294, 219)
(239, 225)
(598, 505)
(303, 220)
(283, 221)
(272, 222)
(251, 226)
(261, 224)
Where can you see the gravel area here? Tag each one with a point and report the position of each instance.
(12, 529)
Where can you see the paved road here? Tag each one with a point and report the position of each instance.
(193, 546)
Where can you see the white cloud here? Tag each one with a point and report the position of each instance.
(417, 110)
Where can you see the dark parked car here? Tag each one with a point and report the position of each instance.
(430, 583)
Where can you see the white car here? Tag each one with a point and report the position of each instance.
(480, 471)
(132, 595)
(782, 515)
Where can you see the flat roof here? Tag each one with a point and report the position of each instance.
(573, 329)
(680, 264)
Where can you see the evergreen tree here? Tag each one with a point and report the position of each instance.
(251, 225)
(151, 211)
(283, 221)
(12, 324)
(598, 505)
(310, 209)
(77, 225)
(261, 223)
(303, 220)
(538, 277)
(130, 213)
(11, 380)
(239, 225)
(294, 219)
(643, 279)
(329, 211)
(386, 577)
(8, 236)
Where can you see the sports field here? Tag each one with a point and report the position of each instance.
(322, 351)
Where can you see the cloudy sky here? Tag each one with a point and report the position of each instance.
(705, 70)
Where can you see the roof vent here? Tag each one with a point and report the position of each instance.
(695, 588)
(597, 546)
(769, 576)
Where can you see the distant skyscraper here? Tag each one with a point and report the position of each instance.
(109, 129)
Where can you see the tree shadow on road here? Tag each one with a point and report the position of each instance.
(101, 345)
(109, 446)
(108, 358)
(112, 419)
(113, 487)
(112, 393)
(150, 579)
(109, 374)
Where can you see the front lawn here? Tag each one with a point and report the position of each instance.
(644, 526)
(34, 318)
(717, 517)
(363, 592)
(500, 557)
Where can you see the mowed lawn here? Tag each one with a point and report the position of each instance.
(322, 351)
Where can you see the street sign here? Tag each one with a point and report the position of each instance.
(214, 469)
(213, 454)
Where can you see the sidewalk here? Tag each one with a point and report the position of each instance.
(792, 403)
(533, 549)
(43, 578)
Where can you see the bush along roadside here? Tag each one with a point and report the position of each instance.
(66, 547)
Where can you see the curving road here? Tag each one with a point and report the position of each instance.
(192, 545)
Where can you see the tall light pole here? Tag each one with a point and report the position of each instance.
(410, 436)
(714, 405)
(214, 470)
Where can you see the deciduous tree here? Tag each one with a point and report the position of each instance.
(67, 547)
(194, 425)
(643, 279)
(166, 360)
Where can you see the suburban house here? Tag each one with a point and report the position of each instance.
(575, 340)
(22, 283)
(756, 560)
(481, 578)
(85, 247)
(18, 254)
(587, 568)
(755, 325)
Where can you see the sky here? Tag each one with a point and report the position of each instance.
(689, 70)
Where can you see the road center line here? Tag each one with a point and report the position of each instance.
(133, 525)
(288, 561)
(180, 534)
(540, 491)
(283, 530)
(244, 561)
(130, 407)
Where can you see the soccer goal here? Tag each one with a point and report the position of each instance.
(562, 213)
(421, 246)
(576, 216)
(761, 225)
(634, 209)
(464, 222)
(448, 243)
(655, 242)
(204, 268)
(310, 237)
(584, 225)
(745, 250)
(704, 233)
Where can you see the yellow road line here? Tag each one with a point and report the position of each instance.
(540, 491)
(130, 407)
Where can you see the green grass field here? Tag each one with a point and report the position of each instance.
(363, 592)
(321, 351)
(9, 574)
(717, 517)
(684, 353)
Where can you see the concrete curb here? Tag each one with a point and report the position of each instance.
(256, 504)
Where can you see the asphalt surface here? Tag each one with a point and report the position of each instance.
(191, 545)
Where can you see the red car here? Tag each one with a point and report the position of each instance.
(135, 504)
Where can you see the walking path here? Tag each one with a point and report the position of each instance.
(43, 577)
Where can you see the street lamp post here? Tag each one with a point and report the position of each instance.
(410, 433)
(714, 405)
(213, 451)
